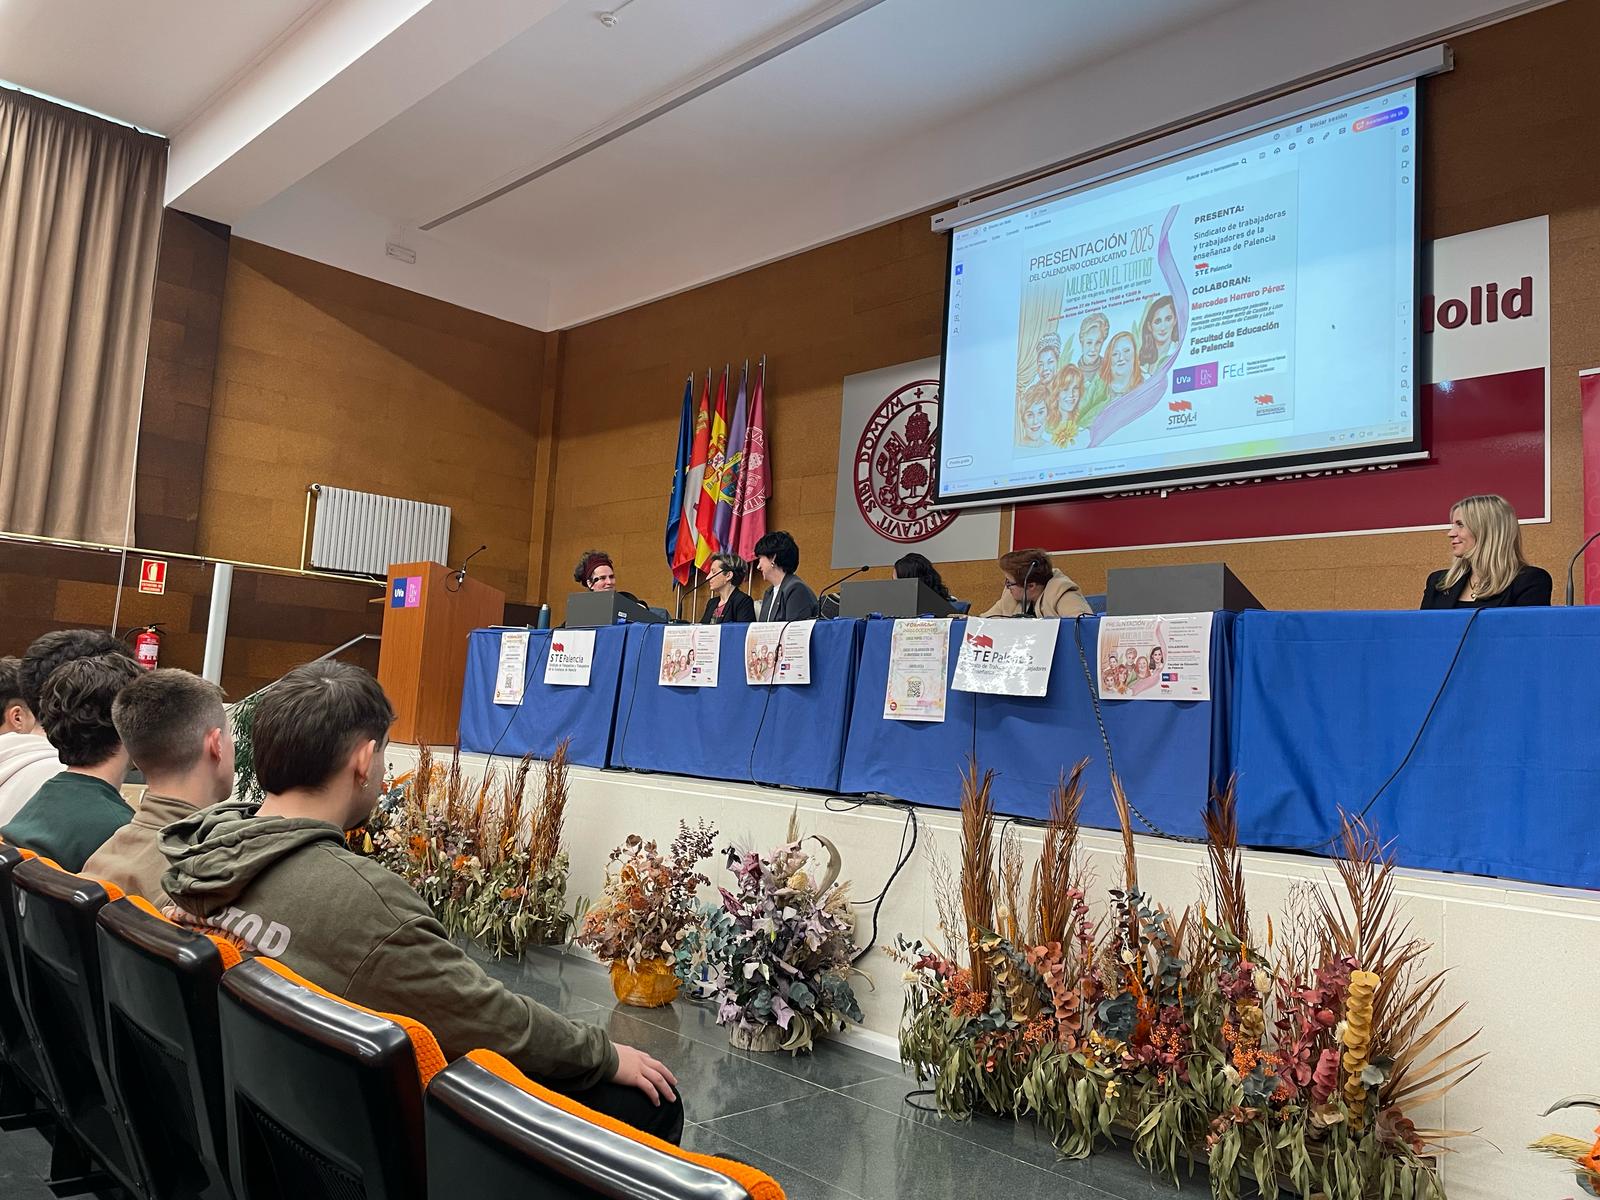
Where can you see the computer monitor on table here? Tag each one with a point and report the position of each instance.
(589, 610)
(892, 598)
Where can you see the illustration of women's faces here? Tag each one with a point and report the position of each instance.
(1122, 361)
(1163, 324)
(1033, 421)
(1092, 337)
(1048, 361)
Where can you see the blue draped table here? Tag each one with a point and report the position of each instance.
(1506, 778)
(788, 734)
(547, 712)
(1168, 752)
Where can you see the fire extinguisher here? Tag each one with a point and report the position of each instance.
(147, 647)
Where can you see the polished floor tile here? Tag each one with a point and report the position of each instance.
(874, 1154)
(797, 1185)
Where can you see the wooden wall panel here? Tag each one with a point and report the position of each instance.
(178, 381)
(1508, 138)
(326, 377)
(274, 621)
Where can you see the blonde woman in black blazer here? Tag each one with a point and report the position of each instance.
(1486, 568)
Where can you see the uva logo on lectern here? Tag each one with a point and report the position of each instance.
(894, 465)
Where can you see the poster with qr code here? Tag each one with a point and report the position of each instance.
(919, 657)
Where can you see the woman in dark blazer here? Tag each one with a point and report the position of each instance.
(728, 605)
(1487, 569)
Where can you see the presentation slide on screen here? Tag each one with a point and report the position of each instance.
(1251, 301)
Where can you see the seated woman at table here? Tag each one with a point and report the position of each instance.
(1034, 588)
(787, 597)
(917, 566)
(595, 571)
(1487, 569)
(728, 605)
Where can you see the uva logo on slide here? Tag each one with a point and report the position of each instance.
(894, 465)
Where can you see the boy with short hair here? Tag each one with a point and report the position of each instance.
(284, 884)
(27, 758)
(73, 813)
(178, 734)
(15, 715)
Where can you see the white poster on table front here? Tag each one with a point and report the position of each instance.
(512, 669)
(778, 652)
(571, 656)
(1006, 656)
(689, 655)
(1164, 657)
(919, 657)
(883, 498)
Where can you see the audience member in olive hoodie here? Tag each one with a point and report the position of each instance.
(282, 883)
(178, 735)
(73, 813)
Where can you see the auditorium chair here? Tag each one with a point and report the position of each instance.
(61, 985)
(323, 1097)
(23, 1090)
(494, 1134)
(164, 1048)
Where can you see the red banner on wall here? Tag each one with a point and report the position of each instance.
(1589, 391)
(1485, 413)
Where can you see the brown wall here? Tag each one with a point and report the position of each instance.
(274, 621)
(178, 379)
(1509, 137)
(326, 377)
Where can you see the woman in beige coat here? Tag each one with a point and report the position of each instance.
(1034, 588)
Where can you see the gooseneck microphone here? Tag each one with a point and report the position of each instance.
(827, 593)
(1574, 562)
(461, 571)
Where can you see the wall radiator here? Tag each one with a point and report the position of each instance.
(360, 531)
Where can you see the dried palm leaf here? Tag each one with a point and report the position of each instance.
(1056, 873)
(1130, 861)
(1227, 864)
(977, 864)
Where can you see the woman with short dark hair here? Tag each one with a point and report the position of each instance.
(787, 597)
(728, 605)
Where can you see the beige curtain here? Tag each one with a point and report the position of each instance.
(1041, 308)
(80, 222)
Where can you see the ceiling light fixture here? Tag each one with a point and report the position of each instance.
(609, 18)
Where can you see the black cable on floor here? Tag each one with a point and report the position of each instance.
(904, 857)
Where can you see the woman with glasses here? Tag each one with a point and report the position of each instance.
(1034, 588)
(728, 605)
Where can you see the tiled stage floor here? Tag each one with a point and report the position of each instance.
(831, 1126)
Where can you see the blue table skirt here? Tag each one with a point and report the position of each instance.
(789, 734)
(1167, 752)
(547, 713)
(1506, 778)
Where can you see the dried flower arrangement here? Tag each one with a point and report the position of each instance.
(775, 955)
(1583, 1155)
(487, 860)
(1298, 1058)
(647, 908)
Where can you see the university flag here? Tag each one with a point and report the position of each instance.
(722, 525)
(680, 473)
(683, 554)
(755, 480)
(705, 513)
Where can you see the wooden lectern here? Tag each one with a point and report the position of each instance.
(422, 660)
